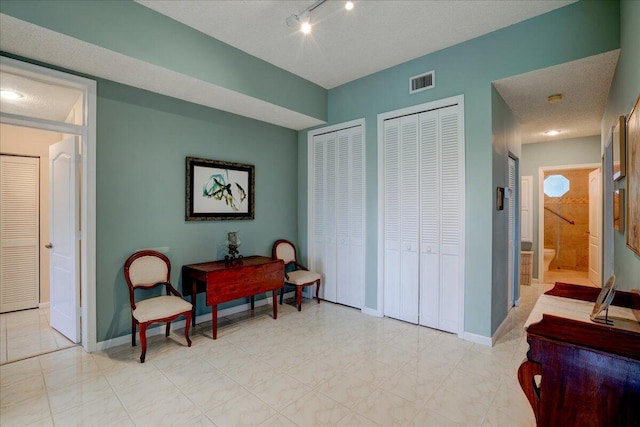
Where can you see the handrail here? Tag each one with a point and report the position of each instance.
(560, 216)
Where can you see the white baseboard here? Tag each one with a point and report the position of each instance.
(371, 312)
(113, 342)
(44, 305)
(478, 339)
(504, 326)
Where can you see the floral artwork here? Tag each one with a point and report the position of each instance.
(218, 190)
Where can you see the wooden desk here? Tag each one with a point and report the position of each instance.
(224, 282)
(590, 372)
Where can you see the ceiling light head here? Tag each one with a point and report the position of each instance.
(555, 98)
(348, 5)
(10, 95)
(305, 27)
(552, 132)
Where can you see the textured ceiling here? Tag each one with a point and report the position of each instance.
(584, 85)
(346, 45)
(40, 100)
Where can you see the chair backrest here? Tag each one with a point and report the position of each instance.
(284, 250)
(147, 269)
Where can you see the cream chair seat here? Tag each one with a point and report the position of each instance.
(300, 276)
(146, 270)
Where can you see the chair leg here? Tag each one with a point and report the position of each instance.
(299, 297)
(281, 294)
(143, 341)
(166, 332)
(133, 332)
(186, 329)
(318, 291)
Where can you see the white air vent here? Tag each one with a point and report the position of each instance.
(422, 82)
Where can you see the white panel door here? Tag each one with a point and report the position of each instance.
(595, 221)
(20, 230)
(429, 219)
(451, 217)
(64, 232)
(526, 208)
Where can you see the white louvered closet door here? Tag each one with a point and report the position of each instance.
(401, 219)
(338, 215)
(409, 228)
(392, 221)
(355, 295)
(452, 218)
(350, 217)
(19, 229)
(429, 219)
(424, 218)
(317, 262)
(329, 286)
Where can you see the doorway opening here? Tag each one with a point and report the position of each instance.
(39, 87)
(570, 216)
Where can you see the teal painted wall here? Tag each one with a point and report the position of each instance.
(506, 142)
(625, 89)
(576, 31)
(142, 141)
(133, 30)
(572, 151)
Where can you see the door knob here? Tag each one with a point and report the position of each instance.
(49, 245)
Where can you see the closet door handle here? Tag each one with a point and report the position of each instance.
(49, 245)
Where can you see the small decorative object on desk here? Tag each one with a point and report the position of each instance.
(233, 243)
(603, 301)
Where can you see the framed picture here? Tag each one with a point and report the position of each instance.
(633, 179)
(618, 209)
(218, 190)
(500, 198)
(619, 168)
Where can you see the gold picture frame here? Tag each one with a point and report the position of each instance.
(619, 166)
(633, 178)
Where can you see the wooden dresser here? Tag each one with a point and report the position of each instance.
(578, 372)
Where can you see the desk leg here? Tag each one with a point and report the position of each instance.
(214, 320)
(275, 303)
(193, 303)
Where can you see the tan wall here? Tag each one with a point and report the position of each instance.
(33, 142)
(571, 242)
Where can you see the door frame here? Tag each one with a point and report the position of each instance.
(515, 267)
(87, 132)
(541, 171)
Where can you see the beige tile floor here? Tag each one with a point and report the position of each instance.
(28, 333)
(568, 276)
(327, 365)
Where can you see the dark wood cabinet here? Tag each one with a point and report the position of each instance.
(582, 373)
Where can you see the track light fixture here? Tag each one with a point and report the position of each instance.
(303, 19)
